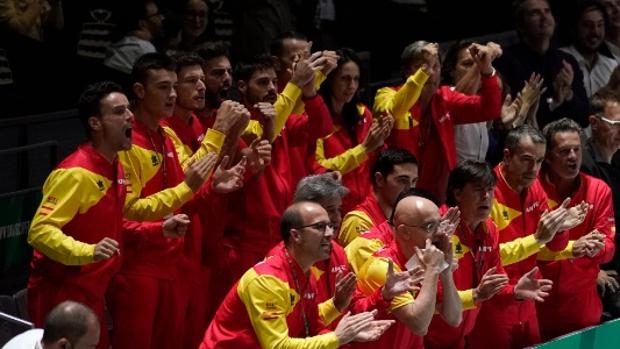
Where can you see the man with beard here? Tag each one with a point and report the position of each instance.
(525, 226)
(425, 127)
(574, 302)
(263, 199)
(589, 36)
(274, 304)
(77, 228)
(598, 152)
(217, 78)
(536, 53)
(146, 298)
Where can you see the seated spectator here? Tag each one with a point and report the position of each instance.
(145, 23)
(565, 95)
(588, 38)
(195, 18)
(68, 325)
(612, 31)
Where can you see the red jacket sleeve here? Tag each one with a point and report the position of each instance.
(483, 107)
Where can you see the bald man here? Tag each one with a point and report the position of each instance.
(418, 240)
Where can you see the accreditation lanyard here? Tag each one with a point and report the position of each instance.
(164, 181)
(300, 290)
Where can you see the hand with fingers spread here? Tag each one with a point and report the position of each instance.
(589, 245)
(198, 172)
(175, 226)
(607, 281)
(361, 327)
(105, 249)
(345, 286)
(373, 331)
(452, 216)
(529, 287)
(562, 84)
(401, 282)
(431, 257)
(575, 215)
(227, 180)
(258, 154)
(379, 131)
(511, 117)
(490, 283)
(551, 222)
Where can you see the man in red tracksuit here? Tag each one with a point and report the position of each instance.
(265, 197)
(147, 296)
(574, 302)
(274, 304)
(480, 275)
(394, 170)
(74, 258)
(437, 110)
(416, 226)
(520, 213)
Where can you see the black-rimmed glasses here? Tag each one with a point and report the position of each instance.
(320, 226)
(430, 227)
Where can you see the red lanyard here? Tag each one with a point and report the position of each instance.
(301, 292)
(164, 180)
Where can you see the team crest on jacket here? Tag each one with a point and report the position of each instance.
(100, 185)
(154, 160)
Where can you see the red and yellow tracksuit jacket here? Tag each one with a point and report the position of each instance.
(400, 101)
(264, 198)
(362, 218)
(339, 152)
(476, 251)
(273, 305)
(513, 324)
(371, 278)
(365, 245)
(574, 303)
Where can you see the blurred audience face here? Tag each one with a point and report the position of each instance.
(191, 88)
(154, 19)
(590, 30)
(332, 206)
(536, 20)
(521, 166)
(613, 13)
(606, 131)
(157, 95)
(218, 80)
(260, 88)
(564, 156)
(345, 82)
(195, 18)
(464, 63)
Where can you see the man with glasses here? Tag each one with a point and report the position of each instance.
(525, 226)
(574, 303)
(418, 240)
(274, 304)
(480, 275)
(598, 161)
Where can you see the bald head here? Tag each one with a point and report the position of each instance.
(298, 215)
(414, 209)
(71, 322)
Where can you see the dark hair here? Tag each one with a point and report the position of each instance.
(517, 134)
(469, 171)
(387, 159)
(291, 218)
(187, 59)
(350, 113)
(599, 100)
(68, 320)
(316, 188)
(89, 103)
(412, 192)
(277, 46)
(245, 70)
(584, 7)
(411, 54)
(517, 12)
(151, 61)
(129, 19)
(451, 60)
(562, 125)
(213, 49)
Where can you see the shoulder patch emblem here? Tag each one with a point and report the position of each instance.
(100, 185)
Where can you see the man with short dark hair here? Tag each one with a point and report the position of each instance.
(574, 302)
(525, 224)
(394, 170)
(69, 325)
(274, 304)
